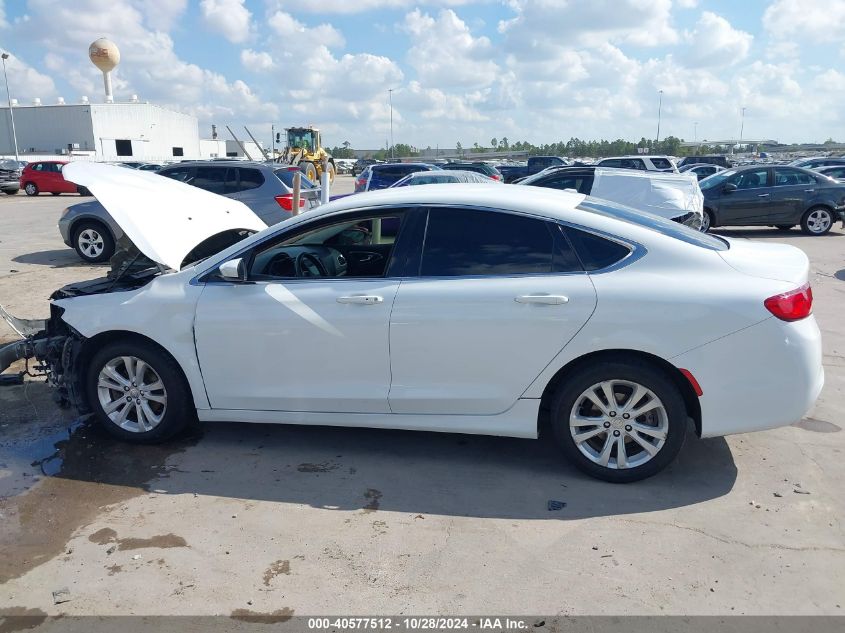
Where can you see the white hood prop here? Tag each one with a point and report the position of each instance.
(164, 218)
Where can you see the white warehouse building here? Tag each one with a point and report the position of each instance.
(101, 131)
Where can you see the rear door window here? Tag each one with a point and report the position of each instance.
(467, 242)
(785, 177)
(211, 179)
(661, 163)
(182, 174)
(249, 179)
(610, 162)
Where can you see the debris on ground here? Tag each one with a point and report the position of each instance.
(61, 595)
(555, 505)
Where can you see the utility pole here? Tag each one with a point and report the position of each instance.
(5, 56)
(273, 141)
(659, 108)
(742, 128)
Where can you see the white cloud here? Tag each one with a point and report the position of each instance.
(27, 83)
(257, 62)
(230, 18)
(806, 20)
(295, 34)
(541, 26)
(714, 42)
(3, 23)
(687, 4)
(161, 15)
(362, 6)
(445, 53)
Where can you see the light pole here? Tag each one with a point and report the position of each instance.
(659, 108)
(390, 93)
(741, 128)
(695, 133)
(5, 56)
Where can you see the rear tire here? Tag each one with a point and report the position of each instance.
(92, 242)
(31, 189)
(154, 385)
(11, 192)
(662, 427)
(817, 221)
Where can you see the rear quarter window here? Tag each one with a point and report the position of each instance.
(286, 176)
(661, 163)
(596, 252)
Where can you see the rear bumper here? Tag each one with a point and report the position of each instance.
(762, 377)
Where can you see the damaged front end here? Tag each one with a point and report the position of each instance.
(51, 344)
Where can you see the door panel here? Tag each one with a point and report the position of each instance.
(473, 345)
(751, 203)
(301, 345)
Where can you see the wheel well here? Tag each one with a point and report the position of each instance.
(690, 399)
(100, 223)
(91, 345)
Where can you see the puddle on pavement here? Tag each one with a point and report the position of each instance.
(56, 476)
(817, 426)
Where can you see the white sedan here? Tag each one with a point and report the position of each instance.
(461, 308)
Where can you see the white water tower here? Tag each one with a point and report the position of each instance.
(105, 55)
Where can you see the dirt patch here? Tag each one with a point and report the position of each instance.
(82, 472)
(114, 569)
(276, 569)
(160, 541)
(373, 496)
(257, 617)
(20, 619)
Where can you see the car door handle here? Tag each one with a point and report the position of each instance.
(548, 300)
(361, 299)
(809, 190)
(762, 195)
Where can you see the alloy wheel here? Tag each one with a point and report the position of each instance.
(619, 424)
(819, 221)
(132, 394)
(91, 243)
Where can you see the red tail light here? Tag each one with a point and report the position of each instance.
(793, 305)
(286, 202)
(496, 177)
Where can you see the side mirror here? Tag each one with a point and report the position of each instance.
(729, 187)
(233, 270)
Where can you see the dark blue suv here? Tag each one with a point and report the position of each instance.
(383, 175)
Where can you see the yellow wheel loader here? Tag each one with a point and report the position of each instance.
(305, 151)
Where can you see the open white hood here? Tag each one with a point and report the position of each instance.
(164, 218)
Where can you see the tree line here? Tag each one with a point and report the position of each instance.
(574, 147)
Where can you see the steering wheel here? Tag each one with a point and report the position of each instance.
(309, 265)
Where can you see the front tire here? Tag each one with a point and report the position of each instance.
(817, 221)
(309, 171)
(92, 242)
(138, 392)
(590, 424)
(706, 221)
(31, 189)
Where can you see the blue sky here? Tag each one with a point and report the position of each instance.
(461, 70)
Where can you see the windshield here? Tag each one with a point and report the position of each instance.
(716, 179)
(655, 223)
(301, 138)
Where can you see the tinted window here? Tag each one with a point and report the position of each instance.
(211, 179)
(581, 183)
(178, 151)
(655, 223)
(286, 176)
(182, 174)
(249, 179)
(38, 167)
(661, 163)
(596, 252)
(785, 177)
(610, 162)
(467, 242)
(750, 179)
(396, 171)
(837, 172)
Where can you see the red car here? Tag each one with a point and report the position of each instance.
(46, 176)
